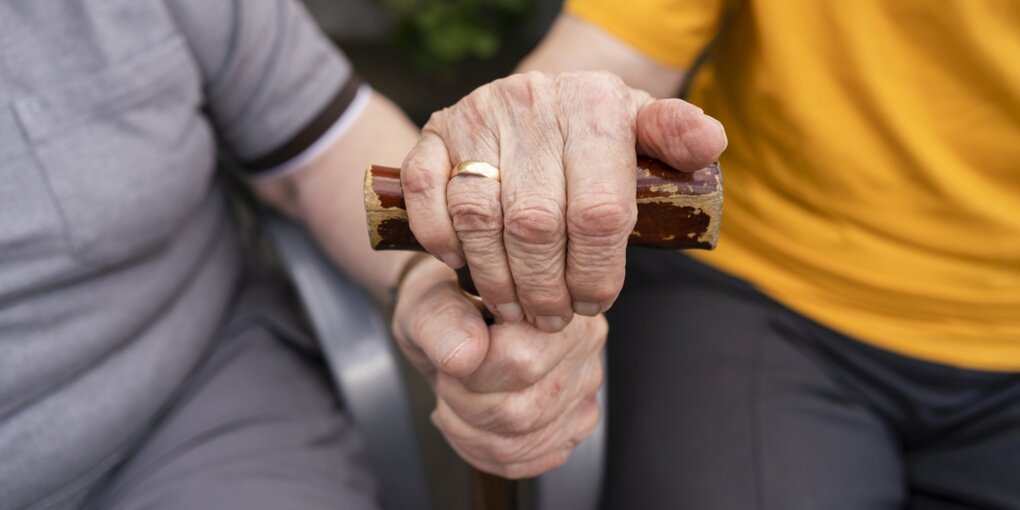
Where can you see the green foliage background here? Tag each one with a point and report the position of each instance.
(437, 34)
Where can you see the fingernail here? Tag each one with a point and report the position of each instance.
(452, 259)
(549, 323)
(510, 312)
(589, 309)
(451, 343)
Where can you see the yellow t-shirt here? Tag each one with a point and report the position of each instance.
(873, 172)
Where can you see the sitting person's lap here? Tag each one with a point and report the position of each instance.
(721, 398)
(257, 426)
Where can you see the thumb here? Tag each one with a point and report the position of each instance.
(679, 134)
(446, 327)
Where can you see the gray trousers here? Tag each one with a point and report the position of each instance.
(721, 398)
(258, 426)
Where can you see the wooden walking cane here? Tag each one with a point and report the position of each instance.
(677, 210)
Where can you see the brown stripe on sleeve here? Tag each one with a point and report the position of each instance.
(310, 133)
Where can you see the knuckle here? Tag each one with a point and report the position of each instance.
(416, 177)
(596, 378)
(525, 365)
(524, 89)
(519, 416)
(533, 77)
(509, 451)
(595, 79)
(602, 287)
(610, 78)
(540, 297)
(610, 217)
(436, 121)
(604, 291)
(475, 214)
(600, 88)
(535, 222)
(471, 110)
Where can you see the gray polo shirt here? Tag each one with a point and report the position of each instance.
(117, 257)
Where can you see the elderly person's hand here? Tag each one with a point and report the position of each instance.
(511, 400)
(550, 239)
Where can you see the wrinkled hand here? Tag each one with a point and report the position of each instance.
(550, 240)
(511, 400)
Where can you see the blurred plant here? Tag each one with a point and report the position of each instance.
(436, 34)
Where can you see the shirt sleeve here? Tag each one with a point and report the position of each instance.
(671, 32)
(274, 84)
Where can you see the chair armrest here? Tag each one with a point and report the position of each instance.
(357, 346)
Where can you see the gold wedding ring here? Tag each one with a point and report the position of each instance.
(479, 168)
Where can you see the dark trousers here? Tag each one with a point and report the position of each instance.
(721, 398)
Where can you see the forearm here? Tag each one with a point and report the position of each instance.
(327, 194)
(574, 44)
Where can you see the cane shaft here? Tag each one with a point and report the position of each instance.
(491, 492)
